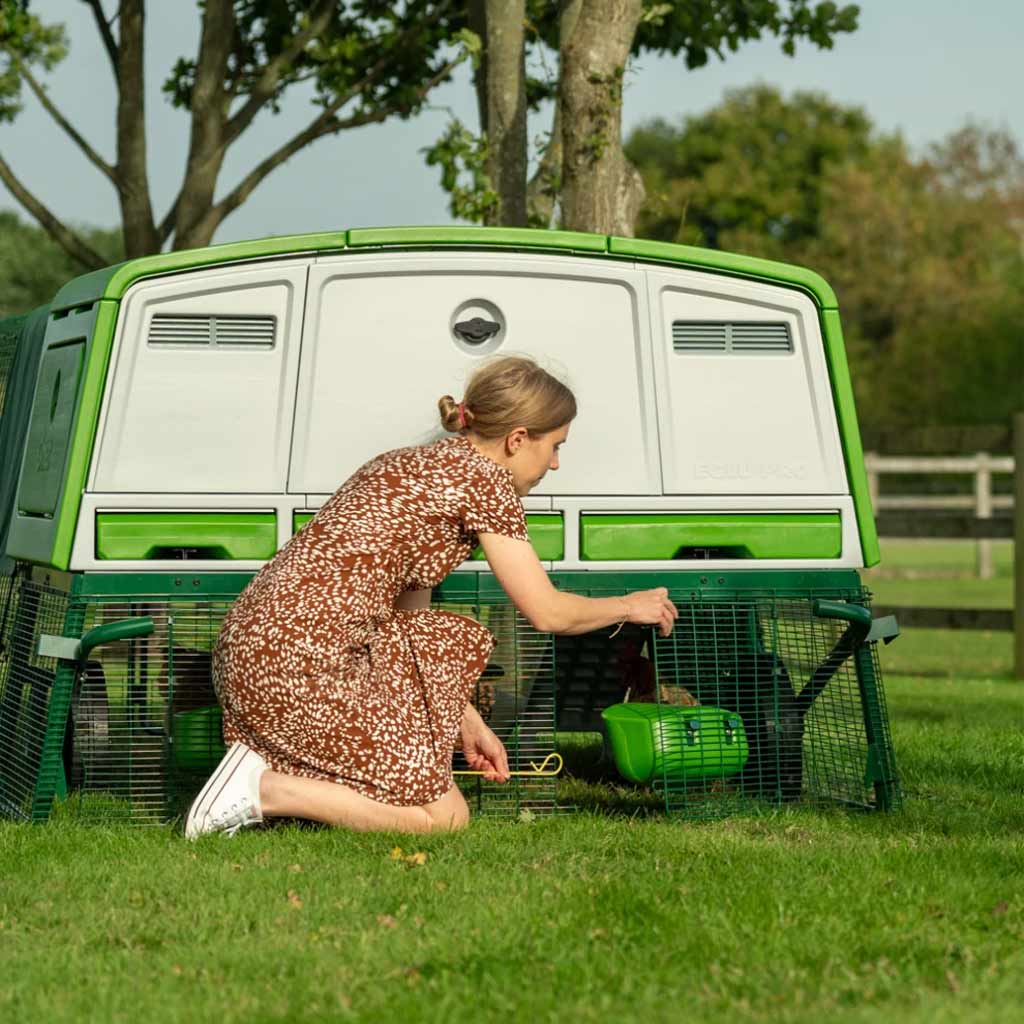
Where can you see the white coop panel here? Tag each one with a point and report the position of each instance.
(744, 401)
(386, 336)
(203, 387)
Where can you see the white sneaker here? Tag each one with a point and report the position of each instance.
(230, 800)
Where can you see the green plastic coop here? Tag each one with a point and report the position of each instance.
(170, 422)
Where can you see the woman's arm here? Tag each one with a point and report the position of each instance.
(413, 600)
(523, 578)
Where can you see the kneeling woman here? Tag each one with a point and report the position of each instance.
(343, 693)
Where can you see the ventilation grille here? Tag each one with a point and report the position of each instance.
(232, 331)
(706, 336)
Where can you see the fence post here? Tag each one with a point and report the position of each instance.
(983, 510)
(1018, 544)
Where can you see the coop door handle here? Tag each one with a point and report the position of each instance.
(476, 330)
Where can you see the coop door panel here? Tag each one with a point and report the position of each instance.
(381, 346)
(744, 401)
(204, 382)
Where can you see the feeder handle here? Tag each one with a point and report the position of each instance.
(123, 629)
(857, 615)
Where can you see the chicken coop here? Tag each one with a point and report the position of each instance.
(169, 423)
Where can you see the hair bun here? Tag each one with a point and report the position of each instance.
(449, 410)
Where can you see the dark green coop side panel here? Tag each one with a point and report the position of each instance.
(218, 535)
(49, 432)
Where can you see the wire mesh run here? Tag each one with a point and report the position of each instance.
(27, 683)
(143, 725)
(515, 697)
(752, 702)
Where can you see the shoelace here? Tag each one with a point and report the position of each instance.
(232, 818)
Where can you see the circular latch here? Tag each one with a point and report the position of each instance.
(477, 327)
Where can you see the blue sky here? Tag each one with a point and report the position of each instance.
(922, 67)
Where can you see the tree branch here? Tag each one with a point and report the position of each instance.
(59, 232)
(325, 124)
(62, 121)
(241, 120)
(264, 89)
(105, 34)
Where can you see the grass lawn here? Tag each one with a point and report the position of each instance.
(803, 914)
(612, 914)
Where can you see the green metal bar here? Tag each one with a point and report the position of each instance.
(853, 637)
(50, 776)
(880, 770)
(110, 632)
(857, 615)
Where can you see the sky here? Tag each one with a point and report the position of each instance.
(922, 67)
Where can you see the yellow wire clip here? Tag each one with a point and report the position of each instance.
(538, 770)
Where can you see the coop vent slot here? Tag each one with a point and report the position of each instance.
(229, 331)
(705, 336)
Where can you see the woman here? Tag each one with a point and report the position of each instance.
(343, 694)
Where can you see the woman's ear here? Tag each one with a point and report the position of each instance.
(515, 439)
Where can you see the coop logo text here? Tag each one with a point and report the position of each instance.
(749, 471)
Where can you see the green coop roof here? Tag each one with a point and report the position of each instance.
(112, 282)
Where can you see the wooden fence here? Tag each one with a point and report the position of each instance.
(941, 517)
(983, 502)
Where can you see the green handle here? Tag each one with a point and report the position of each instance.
(123, 629)
(857, 615)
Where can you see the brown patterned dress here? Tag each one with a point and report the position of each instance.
(315, 668)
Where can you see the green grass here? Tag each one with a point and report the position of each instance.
(612, 913)
(940, 574)
(596, 916)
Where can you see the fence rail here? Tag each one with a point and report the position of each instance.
(943, 519)
(982, 466)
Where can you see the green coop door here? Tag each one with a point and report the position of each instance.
(49, 432)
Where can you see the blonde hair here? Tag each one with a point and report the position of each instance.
(509, 392)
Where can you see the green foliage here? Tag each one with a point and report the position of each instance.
(462, 157)
(748, 173)
(33, 267)
(700, 28)
(925, 253)
(24, 39)
(382, 52)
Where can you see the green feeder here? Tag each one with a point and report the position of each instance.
(198, 745)
(656, 741)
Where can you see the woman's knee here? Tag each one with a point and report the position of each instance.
(450, 813)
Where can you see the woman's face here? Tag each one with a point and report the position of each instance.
(534, 456)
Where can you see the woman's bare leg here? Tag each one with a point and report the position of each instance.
(290, 796)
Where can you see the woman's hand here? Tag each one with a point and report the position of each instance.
(651, 608)
(483, 751)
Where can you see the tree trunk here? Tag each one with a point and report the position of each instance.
(506, 110)
(476, 16)
(138, 229)
(194, 226)
(601, 190)
(545, 187)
